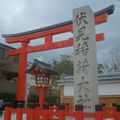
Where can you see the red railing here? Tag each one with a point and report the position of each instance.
(56, 113)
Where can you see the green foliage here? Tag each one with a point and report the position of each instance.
(7, 96)
(33, 98)
(52, 99)
(63, 66)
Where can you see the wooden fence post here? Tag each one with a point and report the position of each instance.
(46, 111)
(30, 114)
(61, 111)
(99, 112)
(79, 112)
(19, 114)
(118, 112)
(7, 113)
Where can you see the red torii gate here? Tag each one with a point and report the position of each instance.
(46, 32)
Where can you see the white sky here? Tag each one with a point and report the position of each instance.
(22, 15)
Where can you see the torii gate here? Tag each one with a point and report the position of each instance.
(47, 32)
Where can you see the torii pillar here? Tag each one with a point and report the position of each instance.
(47, 32)
(21, 83)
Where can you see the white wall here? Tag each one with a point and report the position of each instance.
(69, 90)
(109, 89)
(104, 89)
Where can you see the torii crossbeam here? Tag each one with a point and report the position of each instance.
(47, 32)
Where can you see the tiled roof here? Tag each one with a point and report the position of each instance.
(41, 66)
(101, 77)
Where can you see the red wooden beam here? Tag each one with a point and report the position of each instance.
(101, 18)
(52, 45)
(100, 37)
(13, 52)
(60, 44)
(40, 34)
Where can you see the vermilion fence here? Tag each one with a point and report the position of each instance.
(60, 113)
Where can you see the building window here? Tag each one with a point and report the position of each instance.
(16, 58)
(1, 52)
(5, 54)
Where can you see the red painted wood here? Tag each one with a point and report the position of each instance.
(41, 92)
(101, 18)
(37, 113)
(51, 45)
(21, 83)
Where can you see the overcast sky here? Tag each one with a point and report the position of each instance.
(23, 15)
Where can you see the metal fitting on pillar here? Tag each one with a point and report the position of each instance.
(118, 108)
(78, 107)
(61, 106)
(98, 107)
(45, 106)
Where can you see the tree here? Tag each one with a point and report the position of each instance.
(64, 66)
(113, 65)
(116, 63)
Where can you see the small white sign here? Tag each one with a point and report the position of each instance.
(85, 63)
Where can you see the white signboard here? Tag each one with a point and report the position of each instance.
(85, 65)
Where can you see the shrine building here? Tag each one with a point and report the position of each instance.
(108, 89)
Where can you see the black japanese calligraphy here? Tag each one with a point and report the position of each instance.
(82, 66)
(81, 18)
(83, 63)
